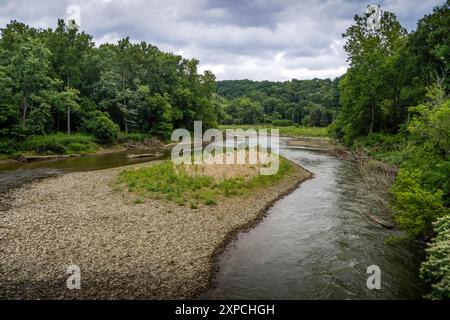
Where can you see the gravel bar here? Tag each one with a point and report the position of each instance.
(125, 250)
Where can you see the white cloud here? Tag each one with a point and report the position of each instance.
(254, 39)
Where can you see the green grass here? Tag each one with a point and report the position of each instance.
(173, 183)
(288, 131)
(59, 143)
(135, 137)
(389, 148)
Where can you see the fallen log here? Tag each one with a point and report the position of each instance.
(49, 157)
(144, 155)
(383, 223)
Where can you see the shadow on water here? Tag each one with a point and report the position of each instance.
(316, 243)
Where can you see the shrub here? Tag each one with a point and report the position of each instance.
(282, 123)
(102, 128)
(59, 144)
(386, 147)
(8, 146)
(436, 269)
(415, 205)
(131, 137)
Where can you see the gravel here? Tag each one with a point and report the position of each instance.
(125, 250)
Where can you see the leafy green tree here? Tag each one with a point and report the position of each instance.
(429, 47)
(101, 127)
(29, 70)
(364, 87)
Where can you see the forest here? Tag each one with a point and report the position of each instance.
(306, 102)
(58, 81)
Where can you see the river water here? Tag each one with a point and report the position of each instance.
(15, 174)
(316, 243)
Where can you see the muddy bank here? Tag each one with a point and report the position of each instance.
(151, 250)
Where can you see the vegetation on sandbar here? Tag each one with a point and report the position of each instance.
(189, 183)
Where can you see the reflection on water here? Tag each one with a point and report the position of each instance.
(317, 243)
(13, 174)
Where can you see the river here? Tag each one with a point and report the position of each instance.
(315, 243)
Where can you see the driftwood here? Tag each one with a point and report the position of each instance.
(383, 223)
(47, 157)
(144, 155)
(306, 148)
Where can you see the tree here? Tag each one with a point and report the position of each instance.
(64, 101)
(29, 71)
(368, 82)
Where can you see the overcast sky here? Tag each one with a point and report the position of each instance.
(236, 39)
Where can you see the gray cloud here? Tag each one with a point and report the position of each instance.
(254, 39)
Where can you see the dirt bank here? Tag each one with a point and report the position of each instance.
(154, 249)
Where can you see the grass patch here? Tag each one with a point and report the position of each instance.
(134, 137)
(59, 143)
(389, 148)
(174, 183)
(285, 131)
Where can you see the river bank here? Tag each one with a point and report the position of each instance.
(125, 249)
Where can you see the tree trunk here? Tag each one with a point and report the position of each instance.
(24, 112)
(124, 100)
(68, 120)
(372, 118)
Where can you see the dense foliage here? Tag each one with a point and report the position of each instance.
(394, 102)
(436, 270)
(57, 80)
(308, 102)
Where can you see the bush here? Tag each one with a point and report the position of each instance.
(102, 128)
(131, 137)
(385, 147)
(59, 144)
(282, 123)
(436, 269)
(422, 188)
(416, 206)
(8, 146)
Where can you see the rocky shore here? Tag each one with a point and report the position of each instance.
(125, 250)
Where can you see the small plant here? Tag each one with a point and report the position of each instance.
(193, 205)
(138, 200)
(210, 201)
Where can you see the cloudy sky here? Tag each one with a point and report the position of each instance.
(236, 39)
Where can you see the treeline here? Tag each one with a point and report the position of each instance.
(307, 102)
(394, 102)
(59, 81)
